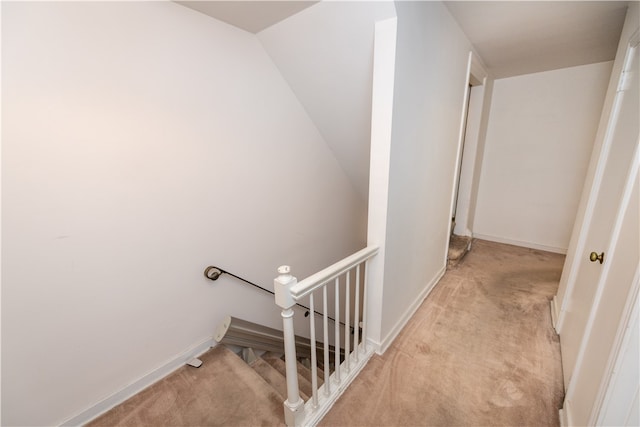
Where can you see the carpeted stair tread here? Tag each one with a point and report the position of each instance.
(224, 391)
(274, 378)
(303, 384)
(306, 373)
(458, 248)
(306, 362)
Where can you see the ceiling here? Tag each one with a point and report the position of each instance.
(252, 16)
(521, 37)
(511, 37)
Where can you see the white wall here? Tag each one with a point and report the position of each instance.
(142, 142)
(539, 139)
(381, 130)
(325, 53)
(430, 76)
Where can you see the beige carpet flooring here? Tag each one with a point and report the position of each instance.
(480, 351)
(224, 391)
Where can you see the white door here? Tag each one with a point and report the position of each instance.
(610, 317)
(594, 308)
(621, 139)
(621, 406)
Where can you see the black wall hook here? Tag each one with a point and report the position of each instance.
(212, 273)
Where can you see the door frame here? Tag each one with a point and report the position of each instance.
(603, 394)
(477, 75)
(558, 313)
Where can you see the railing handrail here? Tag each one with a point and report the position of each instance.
(288, 291)
(213, 273)
(317, 280)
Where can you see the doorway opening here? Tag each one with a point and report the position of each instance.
(469, 159)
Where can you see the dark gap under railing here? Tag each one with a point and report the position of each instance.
(213, 273)
(241, 333)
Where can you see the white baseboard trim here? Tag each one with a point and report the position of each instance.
(565, 416)
(139, 385)
(554, 312)
(529, 245)
(391, 336)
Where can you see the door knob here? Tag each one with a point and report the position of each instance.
(593, 257)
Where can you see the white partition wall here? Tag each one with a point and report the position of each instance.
(431, 70)
(538, 143)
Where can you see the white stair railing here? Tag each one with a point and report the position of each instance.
(288, 292)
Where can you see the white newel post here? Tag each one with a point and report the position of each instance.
(294, 405)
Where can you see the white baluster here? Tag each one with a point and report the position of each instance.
(347, 332)
(314, 361)
(337, 331)
(294, 405)
(364, 308)
(356, 317)
(325, 327)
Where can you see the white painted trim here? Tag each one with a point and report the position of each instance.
(395, 331)
(606, 268)
(384, 55)
(513, 242)
(630, 411)
(603, 156)
(1, 234)
(620, 343)
(313, 416)
(555, 313)
(461, 132)
(564, 415)
(375, 345)
(553, 306)
(478, 72)
(137, 386)
(469, 154)
(476, 165)
(317, 280)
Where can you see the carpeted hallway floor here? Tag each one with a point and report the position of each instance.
(480, 351)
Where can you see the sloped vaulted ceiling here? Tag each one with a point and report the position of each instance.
(252, 16)
(326, 55)
(325, 51)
